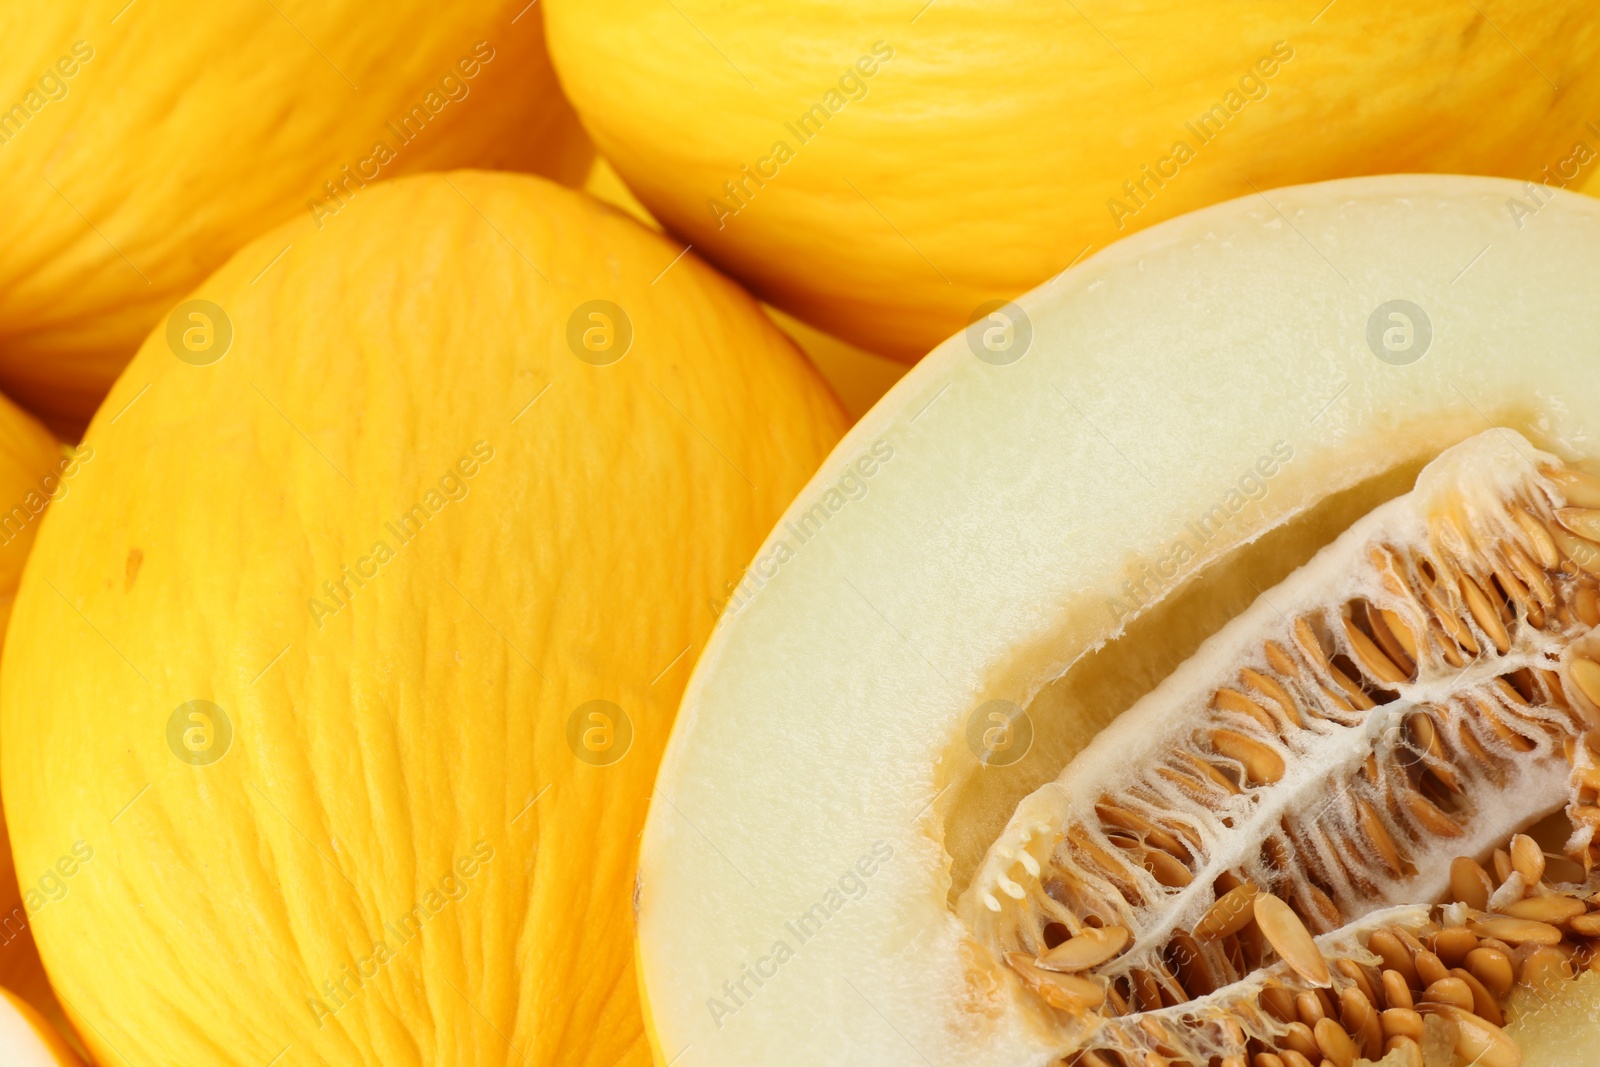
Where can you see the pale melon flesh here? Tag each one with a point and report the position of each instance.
(1085, 515)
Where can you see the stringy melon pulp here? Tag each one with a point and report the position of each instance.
(1419, 691)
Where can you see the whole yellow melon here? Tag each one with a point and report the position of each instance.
(141, 144)
(339, 681)
(882, 170)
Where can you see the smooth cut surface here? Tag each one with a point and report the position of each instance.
(979, 148)
(183, 132)
(827, 726)
(404, 859)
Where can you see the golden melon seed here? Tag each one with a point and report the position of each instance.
(1517, 931)
(1335, 1043)
(1231, 913)
(1298, 1039)
(1585, 925)
(1527, 858)
(1395, 956)
(1587, 604)
(1372, 657)
(1469, 883)
(1290, 939)
(1553, 910)
(1401, 1022)
(1478, 1041)
(1065, 992)
(1493, 968)
(1539, 537)
(1091, 948)
(1430, 968)
(1585, 522)
(1448, 990)
(1483, 1002)
(1396, 993)
(1488, 618)
(1544, 968)
(1262, 765)
(1308, 1007)
(1579, 488)
(1453, 943)
(1586, 674)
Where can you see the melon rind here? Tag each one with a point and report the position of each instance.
(826, 716)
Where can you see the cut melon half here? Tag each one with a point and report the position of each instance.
(27, 1040)
(1191, 662)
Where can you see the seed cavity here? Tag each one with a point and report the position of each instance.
(1304, 846)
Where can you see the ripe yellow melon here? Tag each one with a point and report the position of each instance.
(341, 676)
(1218, 629)
(146, 143)
(882, 169)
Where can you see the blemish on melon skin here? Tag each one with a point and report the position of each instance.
(131, 570)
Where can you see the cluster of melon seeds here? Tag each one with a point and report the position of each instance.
(1212, 880)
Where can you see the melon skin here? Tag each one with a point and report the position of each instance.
(881, 172)
(996, 549)
(412, 849)
(222, 122)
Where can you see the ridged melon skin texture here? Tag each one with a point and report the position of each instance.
(184, 132)
(830, 712)
(978, 149)
(422, 727)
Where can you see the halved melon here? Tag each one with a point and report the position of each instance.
(27, 1040)
(1191, 662)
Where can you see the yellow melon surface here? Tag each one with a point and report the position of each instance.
(341, 677)
(142, 144)
(880, 169)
